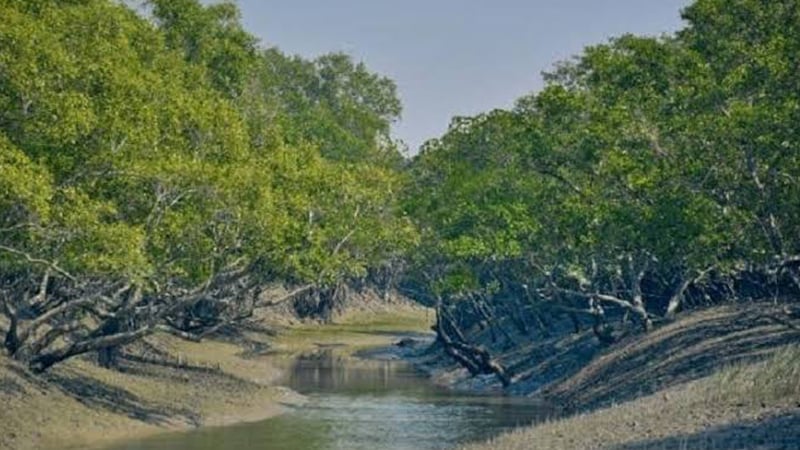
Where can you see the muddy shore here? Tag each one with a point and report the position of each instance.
(167, 384)
(80, 405)
(733, 383)
(723, 378)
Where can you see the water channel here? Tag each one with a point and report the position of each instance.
(357, 404)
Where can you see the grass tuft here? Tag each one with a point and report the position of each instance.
(772, 380)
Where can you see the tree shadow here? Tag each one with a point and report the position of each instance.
(30, 378)
(10, 387)
(169, 371)
(553, 360)
(777, 432)
(240, 334)
(587, 377)
(101, 396)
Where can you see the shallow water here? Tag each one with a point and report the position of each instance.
(356, 404)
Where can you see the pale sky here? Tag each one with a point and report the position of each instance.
(454, 57)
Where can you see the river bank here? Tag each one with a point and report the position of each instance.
(746, 406)
(81, 405)
(168, 384)
(724, 378)
(720, 378)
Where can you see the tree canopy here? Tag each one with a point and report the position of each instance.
(159, 167)
(648, 170)
(154, 163)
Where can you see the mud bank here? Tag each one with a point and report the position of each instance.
(167, 384)
(726, 377)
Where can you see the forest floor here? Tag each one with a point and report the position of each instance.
(166, 384)
(722, 378)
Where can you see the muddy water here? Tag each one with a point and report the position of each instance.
(356, 404)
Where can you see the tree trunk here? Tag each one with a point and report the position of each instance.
(475, 359)
(576, 322)
(639, 309)
(11, 341)
(44, 361)
(676, 299)
(638, 300)
(107, 356)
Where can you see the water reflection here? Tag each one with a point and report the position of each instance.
(354, 405)
(328, 371)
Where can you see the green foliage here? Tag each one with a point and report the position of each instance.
(339, 219)
(167, 149)
(655, 156)
(209, 36)
(25, 187)
(330, 102)
(164, 151)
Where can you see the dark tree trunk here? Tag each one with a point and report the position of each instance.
(477, 360)
(108, 356)
(44, 361)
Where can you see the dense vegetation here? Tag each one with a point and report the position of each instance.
(159, 168)
(648, 173)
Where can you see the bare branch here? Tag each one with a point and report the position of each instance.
(43, 361)
(286, 297)
(342, 242)
(44, 318)
(31, 259)
(179, 333)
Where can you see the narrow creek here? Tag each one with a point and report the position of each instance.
(356, 404)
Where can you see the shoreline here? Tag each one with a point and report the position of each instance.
(214, 383)
(80, 405)
(226, 382)
(743, 393)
